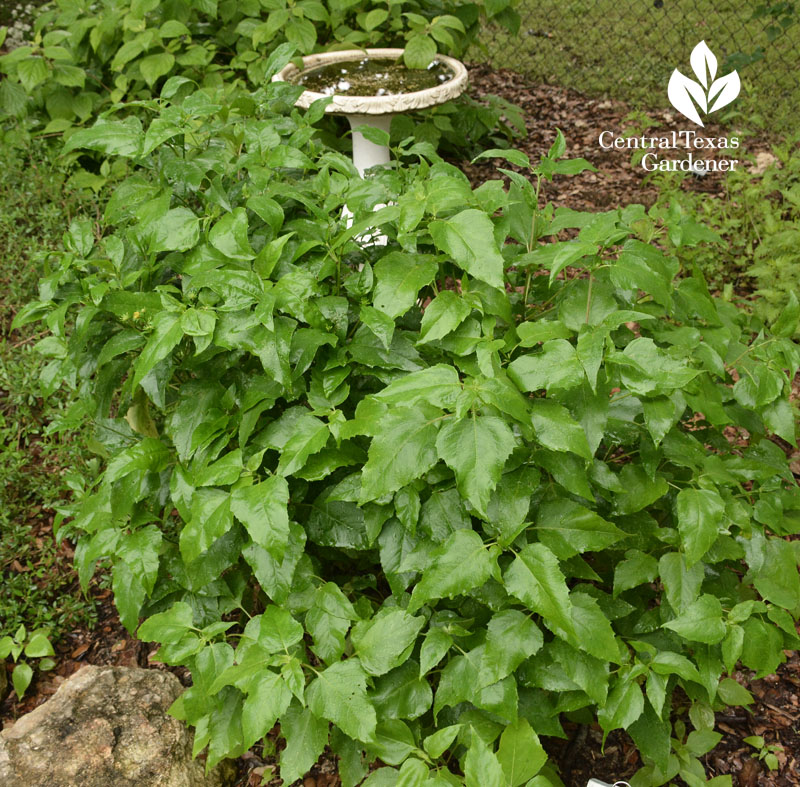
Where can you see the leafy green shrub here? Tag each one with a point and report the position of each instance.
(417, 500)
(86, 55)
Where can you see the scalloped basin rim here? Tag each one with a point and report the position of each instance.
(376, 105)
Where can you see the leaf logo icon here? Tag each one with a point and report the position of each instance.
(707, 94)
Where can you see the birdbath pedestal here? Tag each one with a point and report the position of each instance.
(370, 86)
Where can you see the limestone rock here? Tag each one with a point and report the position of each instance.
(106, 727)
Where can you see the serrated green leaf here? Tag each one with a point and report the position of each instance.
(112, 137)
(557, 429)
(413, 773)
(786, 324)
(379, 323)
(701, 621)
(481, 766)
(401, 693)
(669, 663)
(229, 235)
(375, 18)
(583, 669)
(520, 754)
(129, 595)
(339, 694)
(169, 626)
(140, 550)
(39, 646)
(511, 638)
(437, 743)
(148, 454)
(32, 71)
(510, 503)
(468, 237)
(681, 583)
(337, 524)
(210, 519)
(166, 335)
(638, 568)
(556, 367)
(328, 621)
(278, 631)
(419, 51)
(515, 157)
(262, 509)
(661, 413)
(593, 631)
(476, 448)
(535, 578)
(265, 702)
(177, 230)
(463, 563)
(569, 528)
(733, 693)
(652, 737)
(531, 333)
(624, 706)
(640, 490)
(777, 579)
(438, 385)
(309, 435)
(402, 450)
(400, 277)
(306, 736)
(155, 66)
(646, 369)
(443, 315)
(434, 648)
(699, 513)
(385, 641)
(393, 741)
(21, 678)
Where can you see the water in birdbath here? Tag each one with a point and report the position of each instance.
(373, 77)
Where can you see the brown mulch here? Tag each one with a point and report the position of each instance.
(776, 711)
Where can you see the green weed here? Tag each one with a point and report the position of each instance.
(758, 218)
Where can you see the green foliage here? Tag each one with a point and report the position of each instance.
(36, 576)
(423, 497)
(758, 219)
(767, 752)
(85, 56)
(33, 645)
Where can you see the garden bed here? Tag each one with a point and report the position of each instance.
(618, 183)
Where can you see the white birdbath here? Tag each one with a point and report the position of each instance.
(385, 95)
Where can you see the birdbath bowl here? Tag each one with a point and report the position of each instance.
(369, 86)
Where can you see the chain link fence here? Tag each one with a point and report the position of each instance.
(629, 48)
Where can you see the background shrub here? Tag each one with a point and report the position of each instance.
(758, 217)
(85, 55)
